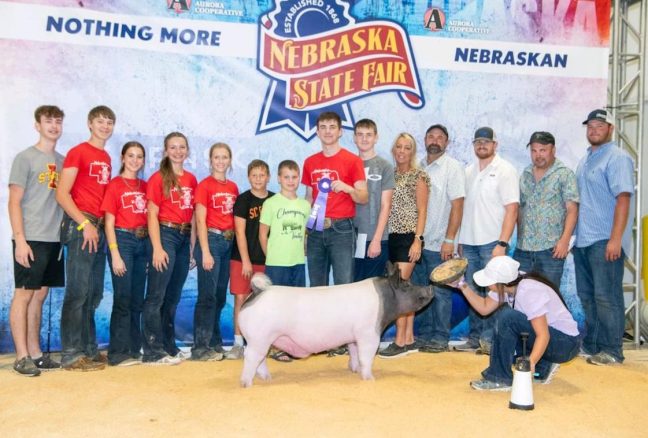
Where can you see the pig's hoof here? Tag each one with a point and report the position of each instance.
(246, 384)
(264, 376)
(367, 376)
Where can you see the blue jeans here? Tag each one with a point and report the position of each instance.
(84, 273)
(434, 319)
(212, 293)
(507, 344)
(541, 262)
(294, 276)
(599, 285)
(478, 256)
(128, 297)
(163, 295)
(333, 247)
(368, 267)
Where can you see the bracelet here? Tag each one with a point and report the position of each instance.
(113, 246)
(446, 240)
(83, 224)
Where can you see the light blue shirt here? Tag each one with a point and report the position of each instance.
(602, 175)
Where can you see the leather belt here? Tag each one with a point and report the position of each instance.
(227, 234)
(139, 232)
(184, 228)
(328, 222)
(98, 222)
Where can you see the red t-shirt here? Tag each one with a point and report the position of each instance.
(343, 166)
(178, 207)
(126, 200)
(218, 197)
(93, 175)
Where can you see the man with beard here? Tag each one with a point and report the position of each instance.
(445, 207)
(548, 210)
(489, 216)
(603, 237)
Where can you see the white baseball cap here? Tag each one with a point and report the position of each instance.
(500, 269)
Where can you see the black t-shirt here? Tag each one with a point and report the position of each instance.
(248, 207)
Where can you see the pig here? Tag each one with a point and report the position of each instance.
(305, 321)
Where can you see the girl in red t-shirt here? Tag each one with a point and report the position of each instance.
(124, 208)
(215, 197)
(170, 194)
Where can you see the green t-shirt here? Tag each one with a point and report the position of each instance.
(287, 221)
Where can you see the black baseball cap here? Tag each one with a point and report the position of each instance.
(485, 133)
(439, 127)
(600, 115)
(542, 137)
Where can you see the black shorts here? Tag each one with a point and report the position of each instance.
(45, 270)
(399, 246)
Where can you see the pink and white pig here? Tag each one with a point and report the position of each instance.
(304, 321)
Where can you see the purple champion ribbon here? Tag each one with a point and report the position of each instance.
(318, 212)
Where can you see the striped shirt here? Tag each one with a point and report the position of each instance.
(603, 175)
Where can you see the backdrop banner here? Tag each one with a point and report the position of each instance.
(256, 74)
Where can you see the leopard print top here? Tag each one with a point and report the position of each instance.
(403, 214)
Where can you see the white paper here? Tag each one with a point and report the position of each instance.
(361, 246)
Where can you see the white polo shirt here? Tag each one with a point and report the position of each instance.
(487, 192)
(447, 183)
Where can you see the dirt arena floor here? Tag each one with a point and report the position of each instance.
(421, 395)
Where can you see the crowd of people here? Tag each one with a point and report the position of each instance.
(360, 211)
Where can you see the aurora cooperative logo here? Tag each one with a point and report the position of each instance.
(318, 58)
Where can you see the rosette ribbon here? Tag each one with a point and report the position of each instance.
(318, 212)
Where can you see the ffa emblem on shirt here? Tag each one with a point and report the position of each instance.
(50, 176)
(101, 171)
(184, 199)
(223, 202)
(135, 201)
(318, 174)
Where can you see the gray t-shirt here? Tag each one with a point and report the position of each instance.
(380, 177)
(37, 173)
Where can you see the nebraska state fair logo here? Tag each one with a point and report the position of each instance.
(318, 58)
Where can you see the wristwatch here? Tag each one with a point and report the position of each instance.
(502, 243)
(419, 237)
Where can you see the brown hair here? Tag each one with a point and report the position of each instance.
(126, 147)
(288, 164)
(48, 111)
(258, 163)
(366, 123)
(329, 115)
(169, 178)
(99, 111)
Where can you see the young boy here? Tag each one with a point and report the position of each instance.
(371, 218)
(85, 176)
(285, 215)
(32, 212)
(247, 255)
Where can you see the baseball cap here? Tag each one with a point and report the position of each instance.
(501, 269)
(485, 133)
(542, 137)
(601, 115)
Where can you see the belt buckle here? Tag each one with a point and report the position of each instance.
(228, 234)
(327, 222)
(141, 233)
(185, 229)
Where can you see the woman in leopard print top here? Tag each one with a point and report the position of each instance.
(406, 226)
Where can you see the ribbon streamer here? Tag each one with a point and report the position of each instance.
(318, 212)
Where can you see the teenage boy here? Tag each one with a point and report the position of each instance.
(84, 178)
(335, 181)
(247, 255)
(285, 215)
(37, 265)
(371, 218)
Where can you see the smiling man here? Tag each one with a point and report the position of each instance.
(548, 210)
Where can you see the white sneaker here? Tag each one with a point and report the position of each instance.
(235, 353)
(166, 360)
(183, 355)
(129, 362)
